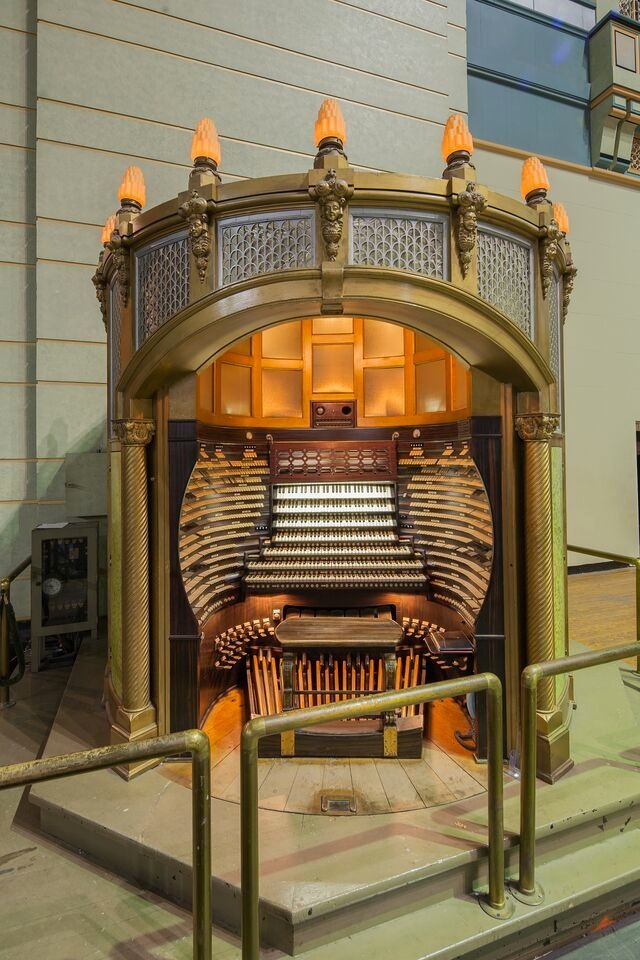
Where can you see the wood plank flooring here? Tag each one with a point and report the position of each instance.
(376, 786)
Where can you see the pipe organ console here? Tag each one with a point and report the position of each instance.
(344, 544)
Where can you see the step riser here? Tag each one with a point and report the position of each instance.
(172, 879)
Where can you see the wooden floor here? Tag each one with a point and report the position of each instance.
(602, 608)
(374, 786)
(601, 613)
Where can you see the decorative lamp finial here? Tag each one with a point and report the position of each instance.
(330, 133)
(205, 145)
(457, 142)
(535, 182)
(110, 225)
(132, 192)
(561, 217)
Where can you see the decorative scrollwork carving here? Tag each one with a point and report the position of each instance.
(538, 427)
(194, 211)
(332, 196)
(134, 432)
(470, 204)
(567, 289)
(120, 257)
(549, 251)
(100, 283)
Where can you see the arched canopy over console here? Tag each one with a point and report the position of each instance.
(485, 277)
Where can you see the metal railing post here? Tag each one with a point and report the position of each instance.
(526, 889)
(496, 904)
(194, 742)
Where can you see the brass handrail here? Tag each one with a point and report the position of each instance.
(526, 889)
(497, 903)
(5, 597)
(619, 558)
(194, 742)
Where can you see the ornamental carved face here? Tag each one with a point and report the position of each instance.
(469, 218)
(332, 210)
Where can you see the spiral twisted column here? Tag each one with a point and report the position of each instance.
(536, 430)
(134, 435)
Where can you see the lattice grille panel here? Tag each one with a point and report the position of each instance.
(162, 284)
(553, 297)
(414, 244)
(504, 277)
(333, 461)
(250, 248)
(115, 321)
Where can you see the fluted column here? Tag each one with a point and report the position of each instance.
(136, 718)
(536, 430)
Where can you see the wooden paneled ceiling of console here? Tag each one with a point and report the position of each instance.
(388, 373)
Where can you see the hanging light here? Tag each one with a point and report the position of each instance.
(561, 217)
(205, 144)
(535, 182)
(110, 225)
(132, 189)
(457, 142)
(330, 128)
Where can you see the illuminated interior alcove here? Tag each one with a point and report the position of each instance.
(394, 375)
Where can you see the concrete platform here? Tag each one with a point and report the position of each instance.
(339, 880)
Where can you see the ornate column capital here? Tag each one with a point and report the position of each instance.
(332, 195)
(134, 433)
(539, 427)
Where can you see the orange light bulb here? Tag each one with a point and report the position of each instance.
(132, 186)
(205, 142)
(330, 123)
(561, 217)
(109, 226)
(534, 178)
(457, 137)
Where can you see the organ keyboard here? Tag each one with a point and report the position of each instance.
(335, 535)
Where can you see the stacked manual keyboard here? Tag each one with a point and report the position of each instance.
(335, 536)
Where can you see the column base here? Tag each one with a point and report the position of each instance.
(554, 748)
(128, 726)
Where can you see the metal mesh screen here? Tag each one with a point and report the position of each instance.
(252, 247)
(504, 277)
(162, 284)
(404, 243)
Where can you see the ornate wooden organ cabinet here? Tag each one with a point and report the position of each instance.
(334, 398)
(353, 539)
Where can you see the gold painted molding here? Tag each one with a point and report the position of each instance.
(470, 327)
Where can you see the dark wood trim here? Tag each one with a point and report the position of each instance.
(184, 635)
